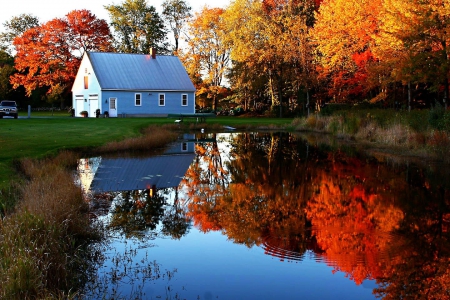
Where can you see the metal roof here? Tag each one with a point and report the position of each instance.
(127, 174)
(127, 71)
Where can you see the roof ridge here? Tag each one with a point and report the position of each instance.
(124, 53)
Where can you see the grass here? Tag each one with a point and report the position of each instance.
(43, 135)
(42, 244)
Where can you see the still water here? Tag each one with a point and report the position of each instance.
(268, 216)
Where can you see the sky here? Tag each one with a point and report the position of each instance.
(46, 10)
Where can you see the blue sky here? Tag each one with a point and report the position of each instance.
(46, 10)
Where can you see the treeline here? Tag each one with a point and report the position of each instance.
(285, 57)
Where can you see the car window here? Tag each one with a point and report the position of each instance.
(8, 103)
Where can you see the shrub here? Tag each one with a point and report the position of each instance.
(436, 116)
(351, 124)
(439, 142)
(311, 121)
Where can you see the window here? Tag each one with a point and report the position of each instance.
(184, 100)
(86, 82)
(137, 99)
(184, 147)
(112, 103)
(162, 100)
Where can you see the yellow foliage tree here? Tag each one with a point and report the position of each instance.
(343, 35)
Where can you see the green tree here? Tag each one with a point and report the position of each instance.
(6, 70)
(176, 13)
(14, 28)
(137, 27)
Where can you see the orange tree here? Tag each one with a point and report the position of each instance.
(343, 36)
(413, 43)
(49, 55)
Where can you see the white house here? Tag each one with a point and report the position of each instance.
(124, 84)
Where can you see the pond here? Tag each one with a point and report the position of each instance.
(268, 216)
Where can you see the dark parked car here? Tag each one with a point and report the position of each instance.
(8, 108)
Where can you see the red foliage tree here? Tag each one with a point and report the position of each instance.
(49, 55)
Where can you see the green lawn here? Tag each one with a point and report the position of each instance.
(44, 134)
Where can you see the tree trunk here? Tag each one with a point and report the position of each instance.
(409, 96)
(307, 102)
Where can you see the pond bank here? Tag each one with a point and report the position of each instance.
(45, 232)
(398, 134)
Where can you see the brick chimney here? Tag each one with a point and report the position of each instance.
(153, 52)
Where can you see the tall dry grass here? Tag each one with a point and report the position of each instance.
(390, 130)
(153, 137)
(42, 242)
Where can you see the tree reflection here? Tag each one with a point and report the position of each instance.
(265, 202)
(422, 267)
(368, 219)
(352, 216)
(137, 213)
(174, 221)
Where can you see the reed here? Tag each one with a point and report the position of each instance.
(153, 137)
(401, 130)
(42, 243)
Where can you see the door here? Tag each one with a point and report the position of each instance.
(113, 107)
(93, 105)
(79, 106)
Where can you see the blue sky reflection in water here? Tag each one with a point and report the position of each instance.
(339, 221)
(208, 266)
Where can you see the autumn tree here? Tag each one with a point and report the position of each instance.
(49, 55)
(413, 43)
(344, 35)
(176, 14)
(207, 52)
(273, 42)
(137, 27)
(14, 28)
(249, 87)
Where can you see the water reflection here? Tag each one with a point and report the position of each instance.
(365, 218)
(368, 219)
(138, 190)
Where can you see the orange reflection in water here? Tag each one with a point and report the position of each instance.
(359, 216)
(352, 225)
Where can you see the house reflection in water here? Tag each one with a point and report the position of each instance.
(103, 174)
(138, 193)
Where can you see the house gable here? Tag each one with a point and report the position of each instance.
(86, 78)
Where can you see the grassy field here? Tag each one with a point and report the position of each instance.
(44, 134)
